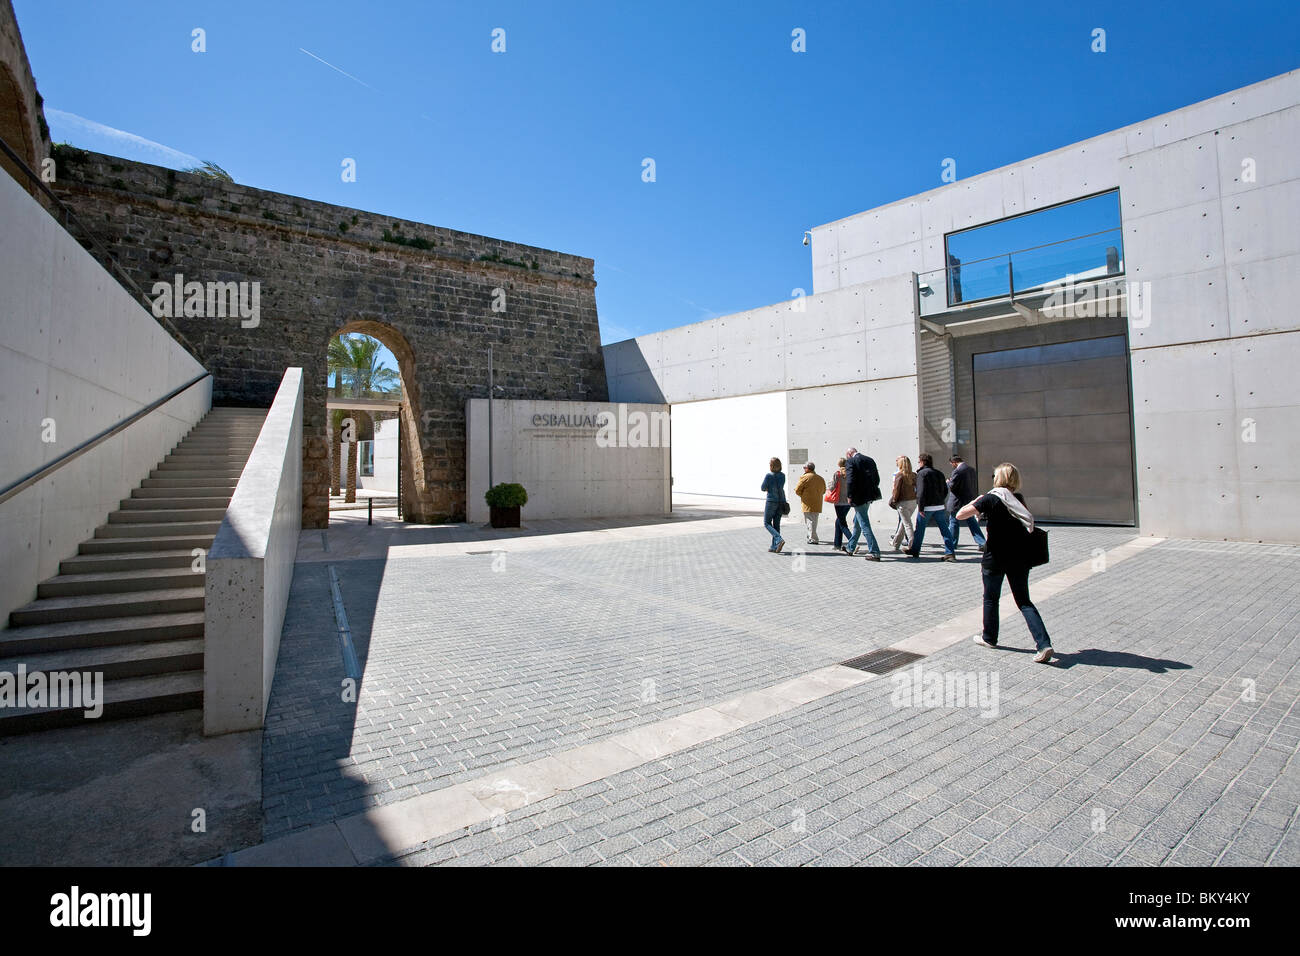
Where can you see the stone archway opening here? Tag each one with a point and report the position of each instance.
(395, 458)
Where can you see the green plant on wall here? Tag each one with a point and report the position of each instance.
(506, 495)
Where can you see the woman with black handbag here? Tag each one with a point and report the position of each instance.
(776, 506)
(1014, 546)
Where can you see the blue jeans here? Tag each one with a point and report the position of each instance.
(1018, 578)
(841, 524)
(862, 524)
(972, 523)
(772, 521)
(923, 518)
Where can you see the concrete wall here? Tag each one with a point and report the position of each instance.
(250, 570)
(563, 469)
(908, 235)
(1209, 361)
(76, 350)
(1210, 198)
(843, 363)
(385, 476)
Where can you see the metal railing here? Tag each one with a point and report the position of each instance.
(47, 469)
(85, 237)
(1093, 255)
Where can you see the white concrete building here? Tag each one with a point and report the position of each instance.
(1160, 396)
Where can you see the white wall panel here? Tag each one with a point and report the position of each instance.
(722, 447)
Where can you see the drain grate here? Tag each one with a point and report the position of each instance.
(882, 661)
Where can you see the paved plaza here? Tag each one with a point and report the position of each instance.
(669, 694)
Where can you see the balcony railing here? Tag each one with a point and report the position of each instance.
(1080, 258)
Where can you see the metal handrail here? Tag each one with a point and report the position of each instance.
(1016, 252)
(106, 258)
(30, 479)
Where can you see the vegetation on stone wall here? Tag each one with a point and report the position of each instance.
(67, 153)
(415, 242)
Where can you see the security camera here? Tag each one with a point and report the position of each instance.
(924, 289)
(807, 236)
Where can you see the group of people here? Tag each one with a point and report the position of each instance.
(922, 497)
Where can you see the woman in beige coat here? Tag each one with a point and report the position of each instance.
(903, 500)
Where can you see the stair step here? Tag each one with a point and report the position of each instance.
(167, 514)
(62, 635)
(128, 561)
(131, 697)
(211, 447)
(116, 661)
(160, 542)
(174, 491)
(198, 481)
(153, 530)
(83, 607)
(215, 458)
(182, 470)
(156, 503)
(119, 581)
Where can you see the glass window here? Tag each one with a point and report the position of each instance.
(366, 459)
(1080, 239)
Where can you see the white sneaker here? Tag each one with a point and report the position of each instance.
(1044, 656)
(979, 639)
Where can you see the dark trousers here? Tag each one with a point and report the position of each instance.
(1018, 578)
(841, 524)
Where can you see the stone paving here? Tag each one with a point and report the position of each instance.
(1139, 746)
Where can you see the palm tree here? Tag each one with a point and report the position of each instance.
(355, 360)
(211, 170)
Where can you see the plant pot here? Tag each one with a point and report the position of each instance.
(505, 517)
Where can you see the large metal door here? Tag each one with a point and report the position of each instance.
(1061, 414)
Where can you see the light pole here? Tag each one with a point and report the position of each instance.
(489, 417)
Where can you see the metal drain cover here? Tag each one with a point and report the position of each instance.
(882, 661)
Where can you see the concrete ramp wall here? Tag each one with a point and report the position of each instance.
(77, 355)
(250, 569)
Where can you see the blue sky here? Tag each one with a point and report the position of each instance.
(543, 144)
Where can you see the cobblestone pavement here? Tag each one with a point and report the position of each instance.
(1166, 732)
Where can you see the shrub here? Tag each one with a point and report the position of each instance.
(506, 496)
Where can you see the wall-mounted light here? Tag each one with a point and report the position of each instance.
(924, 288)
(807, 237)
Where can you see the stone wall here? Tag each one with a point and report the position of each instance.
(22, 122)
(427, 293)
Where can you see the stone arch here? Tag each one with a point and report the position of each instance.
(416, 493)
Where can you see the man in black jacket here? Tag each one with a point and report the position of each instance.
(931, 493)
(963, 488)
(864, 488)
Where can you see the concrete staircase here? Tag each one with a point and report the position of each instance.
(129, 605)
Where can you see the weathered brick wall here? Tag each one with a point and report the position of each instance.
(325, 269)
(22, 120)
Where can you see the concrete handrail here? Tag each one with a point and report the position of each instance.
(250, 569)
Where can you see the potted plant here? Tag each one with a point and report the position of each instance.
(505, 500)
